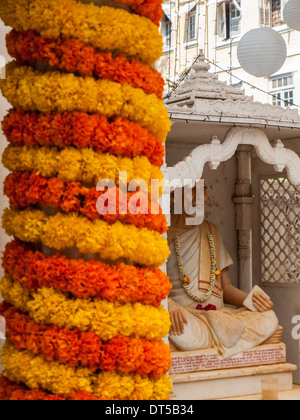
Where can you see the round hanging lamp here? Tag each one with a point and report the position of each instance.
(291, 14)
(262, 52)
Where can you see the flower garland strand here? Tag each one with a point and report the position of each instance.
(105, 319)
(128, 355)
(81, 165)
(111, 242)
(81, 130)
(84, 279)
(185, 280)
(36, 372)
(10, 391)
(26, 189)
(53, 91)
(105, 28)
(73, 56)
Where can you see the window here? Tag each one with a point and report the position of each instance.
(230, 18)
(280, 233)
(277, 12)
(265, 13)
(191, 25)
(167, 33)
(282, 89)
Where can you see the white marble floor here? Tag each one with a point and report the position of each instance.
(293, 395)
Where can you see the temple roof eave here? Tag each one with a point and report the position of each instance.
(244, 112)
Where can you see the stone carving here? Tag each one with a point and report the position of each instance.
(206, 360)
(216, 152)
(280, 233)
(233, 108)
(198, 271)
(203, 94)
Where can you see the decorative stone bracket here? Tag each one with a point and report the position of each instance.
(191, 168)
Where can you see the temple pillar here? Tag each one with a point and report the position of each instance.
(243, 200)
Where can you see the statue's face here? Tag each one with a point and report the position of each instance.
(195, 194)
(189, 200)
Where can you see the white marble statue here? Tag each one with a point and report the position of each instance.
(198, 269)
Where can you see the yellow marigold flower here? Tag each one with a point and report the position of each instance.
(112, 383)
(162, 386)
(15, 292)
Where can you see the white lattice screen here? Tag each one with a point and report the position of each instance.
(280, 231)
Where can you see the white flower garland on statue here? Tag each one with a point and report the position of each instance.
(185, 279)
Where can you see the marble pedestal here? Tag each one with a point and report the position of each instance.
(204, 375)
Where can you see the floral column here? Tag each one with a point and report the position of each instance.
(82, 287)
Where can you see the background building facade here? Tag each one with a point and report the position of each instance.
(216, 27)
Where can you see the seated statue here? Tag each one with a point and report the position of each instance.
(198, 269)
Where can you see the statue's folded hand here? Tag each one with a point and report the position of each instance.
(178, 318)
(262, 303)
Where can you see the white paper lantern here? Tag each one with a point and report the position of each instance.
(262, 52)
(291, 14)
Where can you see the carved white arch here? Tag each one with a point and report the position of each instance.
(191, 168)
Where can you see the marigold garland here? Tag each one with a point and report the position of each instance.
(33, 90)
(73, 56)
(78, 349)
(125, 283)
(38, 373)
(149, 8)
(10, 391)
(105, 28)
(82, 165)
(26, 189)
(118, 137)
(106, 319)
(82, 329)
(111, 242)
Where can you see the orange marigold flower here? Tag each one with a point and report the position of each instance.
(150, 8)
